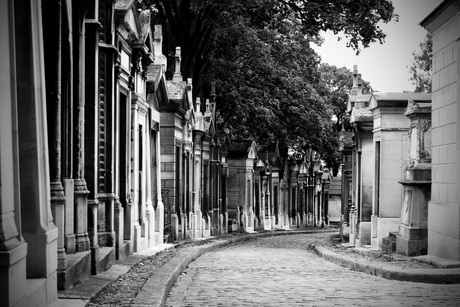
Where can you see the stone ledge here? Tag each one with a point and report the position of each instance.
(438, 262)
(437, 276)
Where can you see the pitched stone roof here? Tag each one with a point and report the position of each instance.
(383, 99)
(361, 115)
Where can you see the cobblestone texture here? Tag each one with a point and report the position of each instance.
(282, 271)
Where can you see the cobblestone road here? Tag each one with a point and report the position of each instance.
(281, 271)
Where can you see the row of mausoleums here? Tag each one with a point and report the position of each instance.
(400, 183)
(102, 157)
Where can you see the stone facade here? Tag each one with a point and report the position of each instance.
(362, 164)
(444, 208)
(266, 191)
(241, 155)
(80, 168)
(391, 148)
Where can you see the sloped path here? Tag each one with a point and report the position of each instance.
(284, 271)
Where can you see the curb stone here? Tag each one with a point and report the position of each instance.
(437, 276)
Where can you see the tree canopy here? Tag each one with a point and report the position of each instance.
(420, 68)
(269, 81)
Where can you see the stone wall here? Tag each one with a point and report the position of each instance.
(444, 208)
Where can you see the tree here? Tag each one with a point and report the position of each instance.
(258, 54)
(266, 77)
(420, 69)
(191, 24)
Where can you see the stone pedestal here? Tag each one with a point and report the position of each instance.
(119, 229)
(267, 224)
(353, 229)
(249, 222)
(412, 239)
(174, 226)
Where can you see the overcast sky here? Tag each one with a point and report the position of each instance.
(385, 66)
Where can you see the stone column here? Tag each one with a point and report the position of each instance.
(149, 210)
(249, 210)
(197, 181)
(81, 192)
(135, 182)
(52, 39)
(160, 210)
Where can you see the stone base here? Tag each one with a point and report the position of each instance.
(411, 248)
(444, 230)
(124, 250)
(205, 227)
(13, 274)
(106, 258)
(78, 267)
(364, 234)
(413, 233)
(156, 239)
(389, 245)
(267, 224)
(249, 229)
(345, 231)
(381, 228)
(174, 227)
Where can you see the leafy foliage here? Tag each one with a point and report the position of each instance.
(269, 81)
(420, 69)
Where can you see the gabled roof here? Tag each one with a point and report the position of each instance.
(123, 5)
(154, 75)
(361, 115)
(177, 94)
(395, 100)
(127, 20)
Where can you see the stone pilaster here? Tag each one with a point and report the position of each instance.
(13, 248)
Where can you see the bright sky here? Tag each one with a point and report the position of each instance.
(385, 66)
